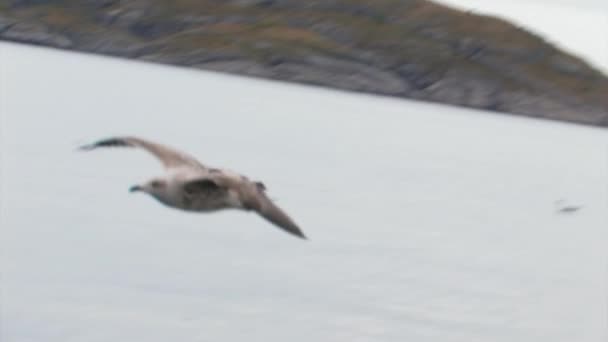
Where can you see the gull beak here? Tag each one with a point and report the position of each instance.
(135, 188)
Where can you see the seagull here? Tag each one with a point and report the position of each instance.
(191, 186)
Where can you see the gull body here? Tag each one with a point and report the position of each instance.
(189, 185)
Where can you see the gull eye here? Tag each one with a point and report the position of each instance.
(156, 184)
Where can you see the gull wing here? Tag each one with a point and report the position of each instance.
(253, 197)
(168, 156)
(272, 213)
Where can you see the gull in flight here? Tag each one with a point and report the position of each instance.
(192, 186)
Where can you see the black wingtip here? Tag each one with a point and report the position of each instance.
(294, 231)
(110, 142)
(300, 235)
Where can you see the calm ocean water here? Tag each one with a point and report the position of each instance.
(427, 223)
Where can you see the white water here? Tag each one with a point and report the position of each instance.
(427, 223)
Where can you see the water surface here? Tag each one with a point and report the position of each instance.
(427, 223)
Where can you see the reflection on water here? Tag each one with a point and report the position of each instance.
(427, 223)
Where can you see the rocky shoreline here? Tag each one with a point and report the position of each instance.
(410, 49)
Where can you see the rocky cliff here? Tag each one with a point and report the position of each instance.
(407, 48)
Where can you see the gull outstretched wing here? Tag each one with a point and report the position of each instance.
(168, 156)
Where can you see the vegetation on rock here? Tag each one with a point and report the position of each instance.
(408, 48)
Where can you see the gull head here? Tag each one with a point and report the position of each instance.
(153, 187)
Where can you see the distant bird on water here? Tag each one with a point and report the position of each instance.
(562, 207)
(192, 186)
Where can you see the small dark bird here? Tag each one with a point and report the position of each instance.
(562, 207)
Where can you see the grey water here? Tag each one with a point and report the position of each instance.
(426, 222)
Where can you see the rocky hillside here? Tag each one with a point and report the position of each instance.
(406, 48)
